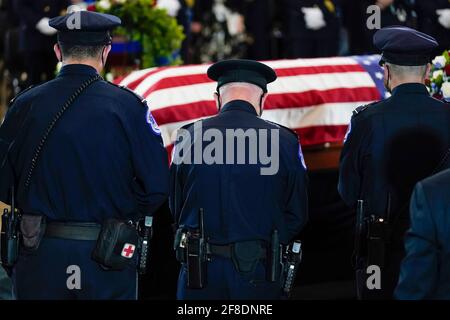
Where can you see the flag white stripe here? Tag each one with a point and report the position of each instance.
(316, 62)
(134, 76)
(294, 84)
(201, 69)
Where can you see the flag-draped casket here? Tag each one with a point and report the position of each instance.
(314, 97)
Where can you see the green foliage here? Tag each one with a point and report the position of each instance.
(446, 54)
(159, 34)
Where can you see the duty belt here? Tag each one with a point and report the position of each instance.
(87, 231)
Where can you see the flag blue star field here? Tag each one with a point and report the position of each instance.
(314, 97)
(371, 65)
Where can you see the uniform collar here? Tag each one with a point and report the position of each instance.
(410, 88)
(239, 105)
(81, 69)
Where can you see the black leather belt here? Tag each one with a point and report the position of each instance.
(87, 231)
(225, 251)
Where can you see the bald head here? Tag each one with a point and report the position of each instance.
(242, 91)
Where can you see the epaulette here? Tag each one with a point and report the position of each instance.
(281, 126)
(190, 124)
(20, 93)
(185, 127)
(125, 88)
(360, 109)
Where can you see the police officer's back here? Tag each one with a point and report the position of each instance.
(102, 157)
(244, 201)
(391, 145)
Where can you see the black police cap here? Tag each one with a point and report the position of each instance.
(241, 70)
(85, 28)
(404, 46)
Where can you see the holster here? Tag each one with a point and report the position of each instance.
(32, 228)
(376, 238)
(10, 238)
(246, 255)
(376, 241)
(117, 244)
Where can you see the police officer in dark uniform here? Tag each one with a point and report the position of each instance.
(434, 19)
(37, 37)
(311, 28)
(390, 145)
(79, 151)
(424, 272)
(243, 207)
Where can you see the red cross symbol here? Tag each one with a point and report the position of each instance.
(128, 250)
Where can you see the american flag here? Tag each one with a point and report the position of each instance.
(314, 97)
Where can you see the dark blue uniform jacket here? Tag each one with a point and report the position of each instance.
(390, 146)
(104, 158)
(425, 272)
(239, 203)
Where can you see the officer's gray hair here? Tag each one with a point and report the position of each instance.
(81, 52)
(249, 86)
(407, 71)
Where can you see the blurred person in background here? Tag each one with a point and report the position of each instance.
(310, 27)
(434, 19)
(393, 12)
(37, 37)
(355, 18)
(258, 22)
(11, 63)
(182, 11)
(219, 31)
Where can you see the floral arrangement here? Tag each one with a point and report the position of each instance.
(439, 82)
(158, 33)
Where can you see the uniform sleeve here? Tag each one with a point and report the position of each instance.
(296, 208)
(176, 183)
(9, 129)
(352, 156)
(419, 270)
(150, 163)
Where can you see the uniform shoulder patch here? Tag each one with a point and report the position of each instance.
(148, 117)
(152, 122)
(361, 109)
(301, 157)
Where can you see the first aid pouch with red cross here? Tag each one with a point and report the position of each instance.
(117, 245)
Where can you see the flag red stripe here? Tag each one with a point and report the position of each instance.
(185, 80)
(311, 136)
(133, 84)
(318, 97)
(200, 109)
